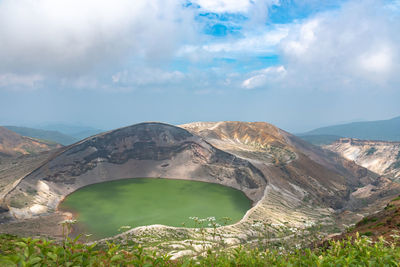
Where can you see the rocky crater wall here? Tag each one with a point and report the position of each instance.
(142, 150)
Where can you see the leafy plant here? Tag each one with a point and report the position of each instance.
(360, 251)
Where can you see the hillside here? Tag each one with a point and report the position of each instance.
(386, 130)
(142, 150)
(290, 162)
(12, 144)
(319, 139)
(76, 131)
(47, 135)
(385, 223)
(291, 183)
(378, 156)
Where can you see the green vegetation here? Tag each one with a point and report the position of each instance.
(144, 201)
(390, 206)
(367, 233)
(366, 220)
(39, 252)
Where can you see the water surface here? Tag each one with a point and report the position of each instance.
(101, 209)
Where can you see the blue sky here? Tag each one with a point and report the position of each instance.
(106, 64)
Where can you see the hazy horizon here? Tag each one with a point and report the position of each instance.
(299, 65)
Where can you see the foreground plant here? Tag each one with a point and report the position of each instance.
(37, 252)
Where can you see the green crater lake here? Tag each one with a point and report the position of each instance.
(101, 209)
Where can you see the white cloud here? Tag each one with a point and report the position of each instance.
(259, 43)
(256, 8)
(73, 36)
(377, 61)
(15, 81)
(220, 6)
(264, 76)
(353, 48)
(147, 76)
(300, 42)
(264, 42)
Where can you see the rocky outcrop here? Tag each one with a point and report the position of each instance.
(380, 157)
(289, 180)
(142, 150)
(293, 165)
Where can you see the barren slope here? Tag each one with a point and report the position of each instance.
(378, 156)
(290, 181)
(142, 150)
(306, 171)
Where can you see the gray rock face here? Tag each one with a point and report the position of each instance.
(142, 150)
(288, 179)
(381, 157)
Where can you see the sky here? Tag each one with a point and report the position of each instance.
(111, 63)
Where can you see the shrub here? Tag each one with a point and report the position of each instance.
(39, 252)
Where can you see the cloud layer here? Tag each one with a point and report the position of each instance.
(72, 36)
(277, 60)
(354, 48)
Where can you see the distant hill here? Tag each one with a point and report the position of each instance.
(51, 136)
(385, 130)
(12, 144)
(288, 179)
(77, 131)
(319, 139)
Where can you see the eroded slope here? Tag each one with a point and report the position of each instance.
(294, 166)
(142, 150)
(378, 156)
(291, 182)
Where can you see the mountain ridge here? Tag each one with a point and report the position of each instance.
(13, 144)
(288, 179)
(46, 135)
(385, 130)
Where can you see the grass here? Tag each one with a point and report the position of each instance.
(39, 252)
(366, 220)
(103, 208)
(369, 233)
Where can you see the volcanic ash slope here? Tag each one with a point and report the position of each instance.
(142, 150)
(290, 181)
(304, 175)
(381, 157)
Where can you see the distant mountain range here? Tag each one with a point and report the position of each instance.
(385, 130)
(246, 156)
(288, 179)
(50, 136)
(57, 133)
(14, 144)
(76, 131)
